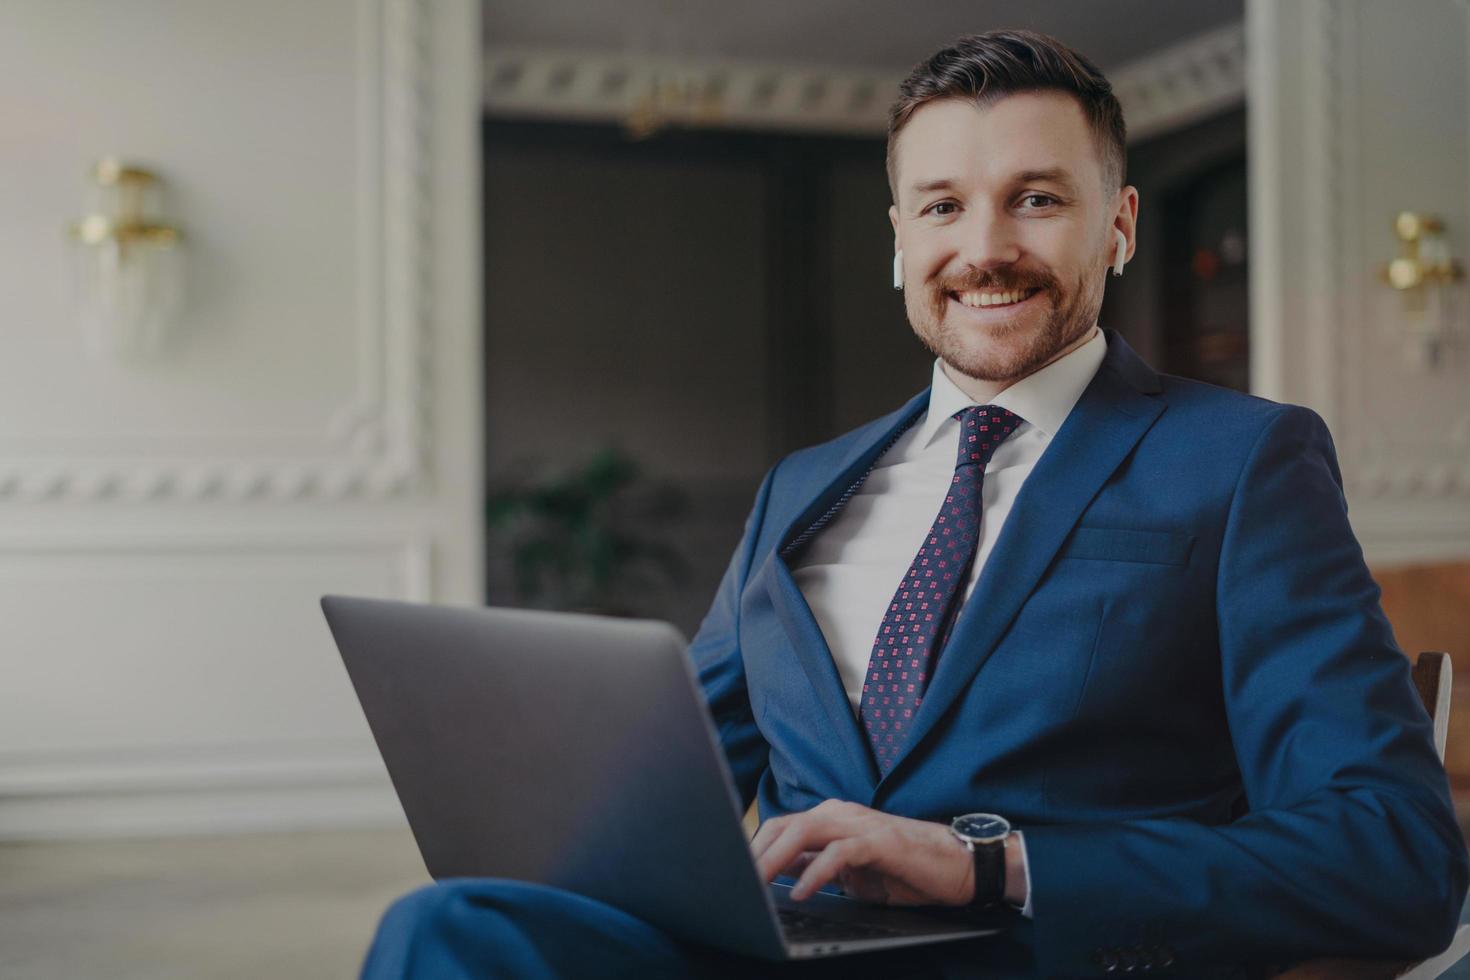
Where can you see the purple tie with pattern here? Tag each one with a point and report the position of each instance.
(926, 604)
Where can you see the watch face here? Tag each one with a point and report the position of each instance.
(981, 827)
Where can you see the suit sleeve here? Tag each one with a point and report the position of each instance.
(720, 665)
(1350, 845)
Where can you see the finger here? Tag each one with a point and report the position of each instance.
(766, 833)
(799, 864)
(806, 832)
(772, 828)
(851, 852)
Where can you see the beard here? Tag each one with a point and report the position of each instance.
(1011, 349)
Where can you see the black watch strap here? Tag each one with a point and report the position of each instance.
(990, 873)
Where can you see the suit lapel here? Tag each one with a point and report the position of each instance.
(836, 466)
(817, 664)
(821, 497)
(1114, 412)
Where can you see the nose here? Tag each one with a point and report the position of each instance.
(985, 242)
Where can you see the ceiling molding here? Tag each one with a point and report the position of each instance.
(1183, 83)
(606, 87)
(1168, 89)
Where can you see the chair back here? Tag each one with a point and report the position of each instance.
(1433, 677)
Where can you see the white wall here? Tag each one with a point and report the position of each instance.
(167, 527)
(1359, 110)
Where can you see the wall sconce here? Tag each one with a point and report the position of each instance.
(127, 274)
(1422, 274)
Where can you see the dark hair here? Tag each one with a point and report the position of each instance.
(985, 68)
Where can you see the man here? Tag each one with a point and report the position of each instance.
(1124, 611)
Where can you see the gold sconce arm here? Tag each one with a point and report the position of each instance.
(95, 229)
(126, 225)
(1425, 260)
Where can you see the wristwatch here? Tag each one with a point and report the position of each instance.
(985, 836)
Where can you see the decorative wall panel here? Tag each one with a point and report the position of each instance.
(146, 673)
(300, 363)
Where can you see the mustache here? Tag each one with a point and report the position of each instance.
(978, 281)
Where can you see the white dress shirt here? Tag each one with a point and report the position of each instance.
(849, 572)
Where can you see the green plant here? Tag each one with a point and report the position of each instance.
(581, 540)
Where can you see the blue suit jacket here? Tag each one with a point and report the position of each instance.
(1178, 683)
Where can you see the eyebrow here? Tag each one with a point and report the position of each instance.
(1049, 175)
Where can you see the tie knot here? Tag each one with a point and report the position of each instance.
(982, 429)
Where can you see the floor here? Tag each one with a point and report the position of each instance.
(281, 905)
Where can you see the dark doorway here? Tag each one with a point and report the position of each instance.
(703, 302)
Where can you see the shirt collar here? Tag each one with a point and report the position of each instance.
(1043, 399)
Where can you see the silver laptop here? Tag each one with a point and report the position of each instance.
(576, 751)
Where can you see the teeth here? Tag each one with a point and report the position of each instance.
(979, 299)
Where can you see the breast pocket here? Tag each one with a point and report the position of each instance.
(1128, 544)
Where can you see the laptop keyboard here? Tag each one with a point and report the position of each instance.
(802, 927)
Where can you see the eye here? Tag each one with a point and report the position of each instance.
(1047, 198)
(936, 209)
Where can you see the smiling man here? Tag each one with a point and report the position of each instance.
(1153, 649)
(1060, 632)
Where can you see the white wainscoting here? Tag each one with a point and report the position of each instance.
(176, 683)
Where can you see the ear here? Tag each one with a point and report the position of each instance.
(1125, 219)
(893, 220)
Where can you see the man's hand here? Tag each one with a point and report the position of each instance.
(876, 857)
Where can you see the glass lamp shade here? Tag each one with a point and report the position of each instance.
(126, 285)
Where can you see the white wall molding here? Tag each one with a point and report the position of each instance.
(410, 557)
(175, 769)
(217, 789)
(1296, 247)
(1327, 32)
(1166, 90)
(1393, 534)
(377, 444)
(1266, 177)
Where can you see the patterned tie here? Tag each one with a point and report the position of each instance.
(926, 604)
